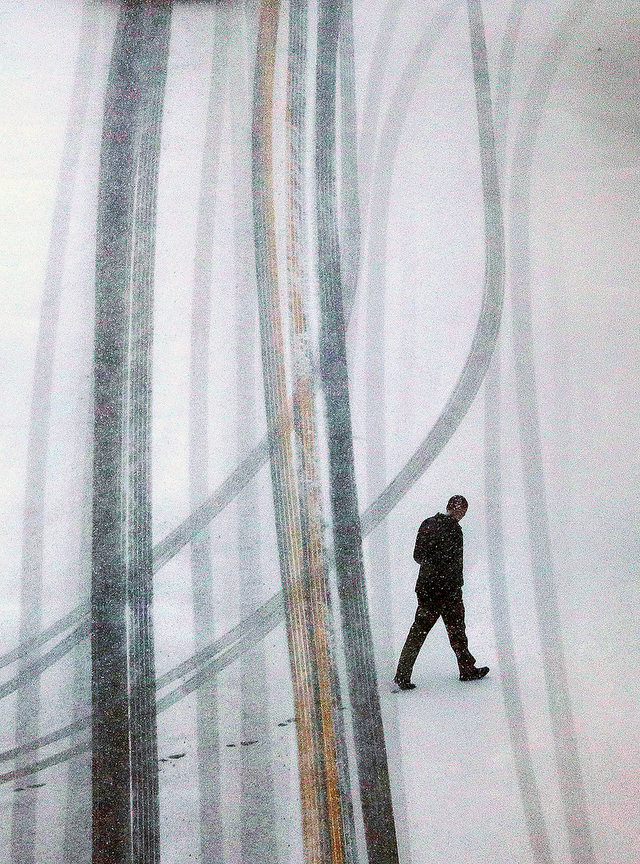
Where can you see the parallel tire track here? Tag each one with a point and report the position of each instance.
(511, 692)
(177, 539)
(316, 835)
(124, 752)
(226, 654)
(444, 428)
(382, 161)
(367, 144)
(249, 631)
(373, 774)
(350, 187)
(257, 806)
(545, 590)
(30, 646)
(23, 818)
(341, 828)
(487, 328)
(202, 605)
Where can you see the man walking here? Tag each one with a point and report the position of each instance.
(438, 551)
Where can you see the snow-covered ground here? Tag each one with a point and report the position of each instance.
(497, 771)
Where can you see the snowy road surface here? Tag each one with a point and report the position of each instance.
(537, 763)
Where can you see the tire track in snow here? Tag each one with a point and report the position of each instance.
(444, 428)
(10, 661)
(202, 606)
(350, 238)
(258, 820)
(271, 613)
(316, 816)
(486, 333)
(545, 590)
(367, 142)
(341, 827)
(511, 694)
(30, 645)
(23, 816)
(375, 793)
(125, 821)
(379, 192)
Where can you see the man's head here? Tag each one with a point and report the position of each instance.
(457, 506)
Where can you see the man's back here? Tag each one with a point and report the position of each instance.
(438, 550)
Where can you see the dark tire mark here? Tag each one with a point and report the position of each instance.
(375, 794)
(125, 823)
(350, 190)
(545, 591)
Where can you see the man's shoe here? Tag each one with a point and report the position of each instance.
(403, 684)
(474, 674)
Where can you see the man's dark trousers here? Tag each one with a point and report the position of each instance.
(451, 608)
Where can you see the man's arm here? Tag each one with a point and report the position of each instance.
(424, 541)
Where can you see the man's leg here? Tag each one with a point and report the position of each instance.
(422, 623)
(453, 618)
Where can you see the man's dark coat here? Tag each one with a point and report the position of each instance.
(438, 551)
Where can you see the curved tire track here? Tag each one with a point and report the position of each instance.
(435, 441)
(505, 73)
(23, 818)
(545, 591)
(271, 612)
(371, 112)
(32, 671)
(511, 694)
(226, 654)
(30, 646)
(486, 333)
(378, 198)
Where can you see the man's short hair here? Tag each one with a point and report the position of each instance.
(457, 501)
